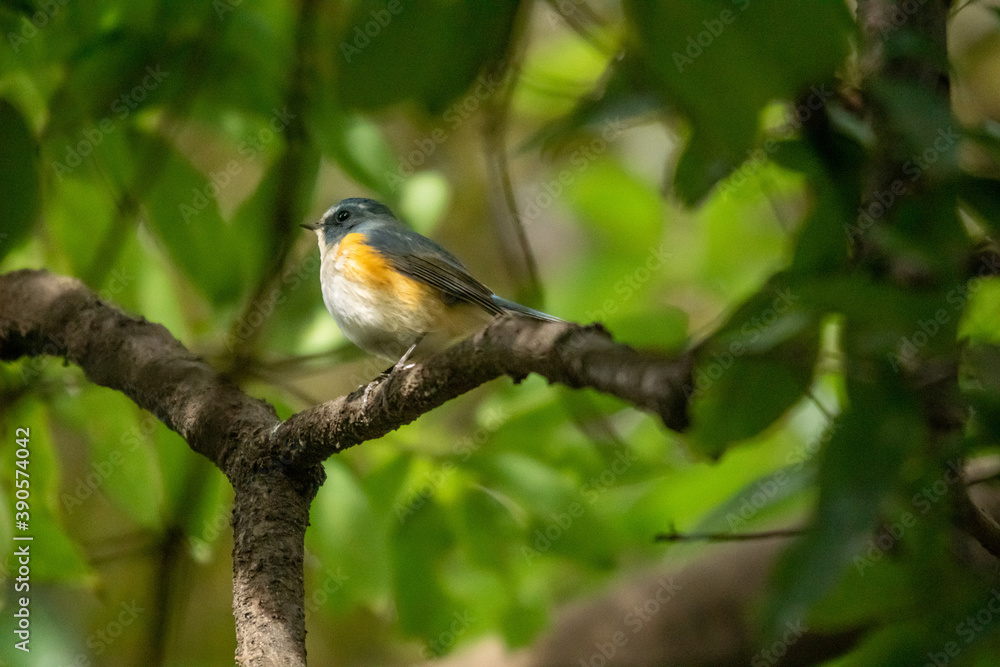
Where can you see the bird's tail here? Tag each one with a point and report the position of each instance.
(523, 310)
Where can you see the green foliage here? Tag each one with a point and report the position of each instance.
(18, 178)
(697, 51)
(694, 175)
(445, 61)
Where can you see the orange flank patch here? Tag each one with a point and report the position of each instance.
(359, 263)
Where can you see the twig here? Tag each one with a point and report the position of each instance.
(674, 536)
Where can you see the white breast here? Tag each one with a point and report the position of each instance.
(370, 319)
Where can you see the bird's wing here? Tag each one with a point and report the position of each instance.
(420, 258)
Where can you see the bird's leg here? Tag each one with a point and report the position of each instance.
(401, 364)
(384, 375)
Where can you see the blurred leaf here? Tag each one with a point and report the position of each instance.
(184, 215)
(721, 62)
(624, 93)
(614, 201)
(252, 229)
(105, 85)
(122, 463)
(20, 6)
(554, 73)
(420, 546)
(983, 196)
(79, 243)
(766, 350)
(980, 302)
(350, 538)
(752, 502)
(358, 147)
(858, 468)
(655, 328)
(431, 50)
(980, 383)
(19, 178)
(57, 557)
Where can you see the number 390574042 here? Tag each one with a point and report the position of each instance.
(22, 435)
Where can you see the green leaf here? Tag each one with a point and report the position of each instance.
(982, 195)
(57, 557)
(626, 211)
(252, 228)
(766, 351)
(349, 533)
(752, 502)
(858, 469)
(446, 43)
(123, 464)
(723, 414)
(19, 178)
(980, 383)
(184, 215)
(720, 62)
(624, 94)
(77, 243)
(419, 548)
(359, 148)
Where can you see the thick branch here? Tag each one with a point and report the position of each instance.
(562, 352)
(45, 314)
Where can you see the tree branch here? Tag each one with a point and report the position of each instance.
(562, 352)
(274, 467)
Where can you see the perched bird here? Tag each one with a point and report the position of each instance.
(395, 293)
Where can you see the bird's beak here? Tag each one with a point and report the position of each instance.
(312, 226)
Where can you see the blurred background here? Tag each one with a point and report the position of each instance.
(600, 162)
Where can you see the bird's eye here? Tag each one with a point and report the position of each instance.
(343, 215)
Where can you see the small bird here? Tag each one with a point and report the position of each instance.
(395, 293)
